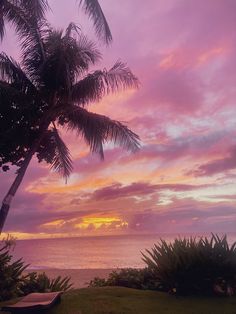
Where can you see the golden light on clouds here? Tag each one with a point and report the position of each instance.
(99, 222)
(26, 236)
(55, 223)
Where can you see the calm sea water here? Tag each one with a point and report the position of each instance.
(89, 252)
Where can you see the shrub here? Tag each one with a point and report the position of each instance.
(97, 282)
(13, 283)
(190, 266)
(10, 272)
(127, 277)
(34, 282)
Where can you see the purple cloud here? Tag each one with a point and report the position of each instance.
(218, 165)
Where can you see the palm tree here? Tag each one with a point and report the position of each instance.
(19, 12)
(53, 83)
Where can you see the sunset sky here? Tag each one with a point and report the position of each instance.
(184, 177)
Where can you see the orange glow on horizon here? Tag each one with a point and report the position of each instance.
(99, 222)
(25, 236)
(55, 223)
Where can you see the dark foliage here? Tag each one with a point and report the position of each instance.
(184, 267)
(21, 11)
(50, 87)
(128, 277)
(10, 273)
(34, 282)
(15, 283)
(190, 266)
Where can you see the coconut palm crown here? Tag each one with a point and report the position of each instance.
(52, 89)
(49, 90)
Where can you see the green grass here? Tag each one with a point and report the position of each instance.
(114, 300)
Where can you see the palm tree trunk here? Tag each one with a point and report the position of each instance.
(16, 183)
(12, 191)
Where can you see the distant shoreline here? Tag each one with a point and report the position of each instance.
(79, 277)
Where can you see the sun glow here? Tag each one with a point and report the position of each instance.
(25, 236)
(99, 222)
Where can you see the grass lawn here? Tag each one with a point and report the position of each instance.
(114, 300)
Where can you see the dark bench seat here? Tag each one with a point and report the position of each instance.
(34, 302)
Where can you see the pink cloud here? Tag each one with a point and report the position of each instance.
(117, 191)
(218, 165)
(185, 216)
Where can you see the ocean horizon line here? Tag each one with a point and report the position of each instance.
(159, 234)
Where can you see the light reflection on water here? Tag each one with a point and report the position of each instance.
(89, 252)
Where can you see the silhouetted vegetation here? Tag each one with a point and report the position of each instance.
(186, 266)
(13, 281)
(128, 277)
(35, 282)
(49, 89)
(11, 273)
(191, 266)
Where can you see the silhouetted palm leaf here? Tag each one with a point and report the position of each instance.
(62, 162)
(2, 25)
(11, 12)
(77, 56)
(11, 72)
(28, 19)
(94, 11)
(28, 22)
(98, 129)
(38, 8)
(100, 83)
(19, 11)
(72, 27)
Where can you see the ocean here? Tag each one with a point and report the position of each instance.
(89, 252)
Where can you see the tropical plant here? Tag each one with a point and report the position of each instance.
(10, 272)
(191, 266)
(128, 277)
(49, 90)
(34, 282)
(14, 282)
(21, 13)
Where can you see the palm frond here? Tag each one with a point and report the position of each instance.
(11, 72)
(98, 129)
(62, 162)
(38, 8)
(88, 52)
(70, 28)
(2, 23)
(13, 13)
(100, 83)
(67, 59)
(34, 52)
(27, 16)
(32, 42)
(95, 13)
